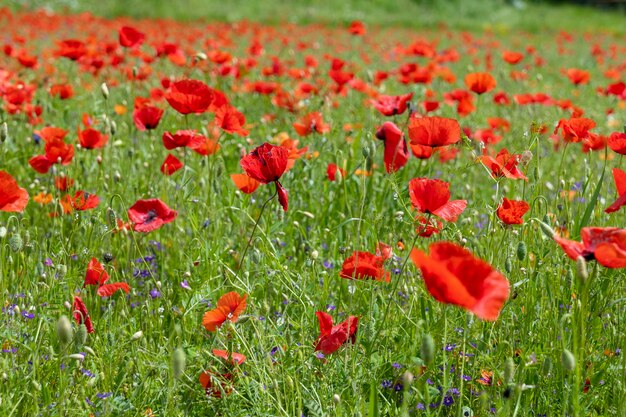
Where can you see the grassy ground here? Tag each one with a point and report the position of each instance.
(458, 14)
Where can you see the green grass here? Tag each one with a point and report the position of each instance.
(292, 269)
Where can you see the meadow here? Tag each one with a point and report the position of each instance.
(340, 213)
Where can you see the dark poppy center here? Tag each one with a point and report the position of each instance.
(151, 215)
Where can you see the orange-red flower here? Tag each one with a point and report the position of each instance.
(245, 183)
(230, 120)
(432, 196)
(396, 152)
(619, 177)
(171, 164)
(331, 172)
(12, 197)
(190, 96)
(149, 215)
(511, 211)
(504, 165)
(91, 138)
(81, 315)
(480, 82)
(363, 265)
(96, 275)
(333, 337)
(229, 307)
(606, 245)
(578, 76)
(310, 123)
(575, 129)
(432, 132)
(391, 105)
(617, 142)
(454, 276)
(266, 164)
(130, 37)
(56, 150)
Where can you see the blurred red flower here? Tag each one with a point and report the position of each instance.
(12, 197)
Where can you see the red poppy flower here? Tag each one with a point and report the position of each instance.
(391, 105)
(266, 164)
(245, 183)
(311, 122)
(63, 183)
(363, 265)
(617, 142)
(578, 76)
(331, 172)
(12, 197)
(504, 165)
(81, 315)
(72, 49)
(147, 117)
(130, 37)
(333, 337)
(171, 164)
(357, 28)
(84, 201)
(180, 139)
(432, 132)
(454, 276)
(91, 139)
(427, 227)
(63, 91)
(214, 385)
(189, 96)
(619, 177)
(511, 211)
(56, 150)
(96, 275)
(575, 129)
(433, 197)
(607, 245)
(396, 152)
(229, 307)
(234, 358)
(480, 82)
(149, 215)
(230, 120)
(512, 57)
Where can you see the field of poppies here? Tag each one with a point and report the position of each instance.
(248, 219)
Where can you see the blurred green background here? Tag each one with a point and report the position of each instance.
(530, 15)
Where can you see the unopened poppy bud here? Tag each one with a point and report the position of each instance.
(407, 379)
(77, 356)
(113, 129)
(105, 90)
(508, 265)
(338, 176)
(521, 250)
(547, 230)
(4, 132)
(61, 270)
(36, 385)
(336, 398)
(365, 150)
(135, 71)
(289, 381)
(81, 335)
(99, 159)
(427, 349)
(64, 330)
(117, 177)
(581, 269)
(314, 254)
(158, 284)
(179, 360)
(16, 243)
(568, 361)
(569, 277)
(67, 305)
(89, 350)
(200, 56)
(137, 335)
(509, 370)
(3, 232)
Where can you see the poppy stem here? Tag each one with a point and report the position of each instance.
(256, 224)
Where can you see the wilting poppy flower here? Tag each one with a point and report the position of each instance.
(511, 211)
(91, 139)
(575, 129)
(189, 96)
(363, 265)
(230, 120)
(454, 276)
(396, 152)
(245, 183)
(504, 165)
(84, 201)
(480, 82)
(130, 37)
(147, 117)
(266, 164)
(432, 196)
(96, 275)
(171, 164)
(617, 142)
(619, 177)
(391, 105)
(81, 315)
(149, 215)
(309, 123)
(433, 131)
(333, 337)
(229, 307)
(607, 245)
(12, 197)
(331, 172)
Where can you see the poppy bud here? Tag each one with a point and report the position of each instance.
(569, 277)
(3, 232)
(64, 330)
(99, 159)
(200, 56)
(67, 305)
(568, 361)
(117, 177)
(547, 230)
(336, 398)
(113, 128)
(36, 385)
(61, 270)
(427, 349)
(407, 379)
(365, 150)
(509, 370)
(314, 254)
(77, 356)
(16, 243)
(581, 269)
(521, 250)
(4, 132)
(508, 266)
(105, 90)
(81, 336)
(179, 360)
(137, 335)
(89, 350)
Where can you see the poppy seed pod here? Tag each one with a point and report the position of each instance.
(427, 349)
(508, 265)
(16, 243)
(64, 330)
(568, 361)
